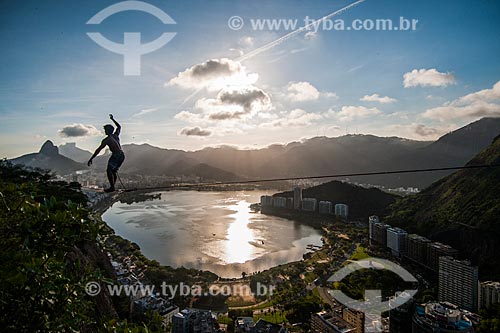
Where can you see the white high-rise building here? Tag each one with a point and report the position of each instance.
(266, 201)
(297, 197)
(279, 202)
(372, 220)
(489, 293)
(458, 283)
(396, 241)
(342, 210)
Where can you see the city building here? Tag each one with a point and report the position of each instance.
(458, 283)
(329, 322)
(266, 201)
(279, 202)
(342, 210)
(436, 250)
(380, 233)
(401, 312)
(325, 207)
(158, 304)
(416, 248)
(372, 220)
(194, 321)
(263, 326)
(442, 317)
(297, 197)
(396, 241)
(289, 203)
(309, 205)
(489, 293)
(355, 318)
(243, 324)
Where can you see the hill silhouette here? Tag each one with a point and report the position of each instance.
(48, 158)
(362, 202)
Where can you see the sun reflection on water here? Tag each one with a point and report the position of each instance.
(238, 248)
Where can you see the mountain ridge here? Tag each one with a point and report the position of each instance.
(321, 155)
(461, 210)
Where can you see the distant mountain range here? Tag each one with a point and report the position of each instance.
(315, 156)
(70, 150)
(462, 210)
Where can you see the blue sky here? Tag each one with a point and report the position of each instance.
(54, 78)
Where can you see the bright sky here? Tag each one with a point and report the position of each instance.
(56, 83)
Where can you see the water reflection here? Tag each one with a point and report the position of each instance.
(210, 230)
(238, 248)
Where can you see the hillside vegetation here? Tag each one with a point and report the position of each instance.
(462, 209)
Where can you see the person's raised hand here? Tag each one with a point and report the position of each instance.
(110, 116)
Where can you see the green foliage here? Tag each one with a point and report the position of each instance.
(490, 321)
(43, 227)
(357, 282)
(359, 254)
(461, 210)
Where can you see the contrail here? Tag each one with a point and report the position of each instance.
(289, 35)
(280, 40)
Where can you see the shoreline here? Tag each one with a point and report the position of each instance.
(105, 201)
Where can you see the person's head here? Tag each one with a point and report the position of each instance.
(109, 129)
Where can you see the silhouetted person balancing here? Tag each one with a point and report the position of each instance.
(117, 156)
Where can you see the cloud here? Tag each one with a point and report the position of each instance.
(427, 78)
(144, 111)
(214, 75)
(310, 35)
(304, 91)
(483, 103)
(246, 41)
(295, 118)
(188, 117)
(301, 91)
(418, 131)
(349, 112)
(195, 131)
(423, 130)
(377, 98)
(77, 130)
(235, 103)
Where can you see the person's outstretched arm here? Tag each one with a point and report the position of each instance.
(97, 151)
(118, 126)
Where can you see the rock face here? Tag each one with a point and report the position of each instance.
(48, 158)
(49, 149)
(70, 150)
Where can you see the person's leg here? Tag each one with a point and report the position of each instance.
(111, 178)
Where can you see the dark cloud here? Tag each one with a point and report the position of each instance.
(245, 98)
(77, 130)
(423, 130)
(212, 68)
(195, 131)
(226, 115)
